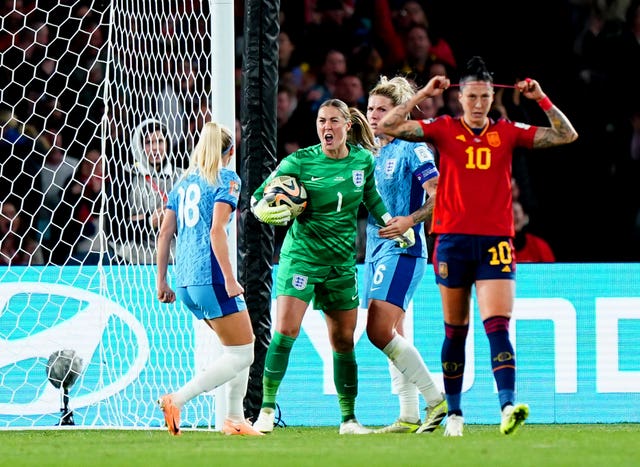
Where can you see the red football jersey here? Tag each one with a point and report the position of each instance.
(474, 189)
(535, 250)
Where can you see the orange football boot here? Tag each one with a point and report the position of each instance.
(171, 414)
(242, 428)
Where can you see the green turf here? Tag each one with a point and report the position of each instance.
(532, 445)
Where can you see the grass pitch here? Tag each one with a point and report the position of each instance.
(482, 445)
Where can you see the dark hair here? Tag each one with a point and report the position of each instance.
(475, 70)
(154, 126)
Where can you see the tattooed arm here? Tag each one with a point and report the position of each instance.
(425, 212)
(561, 130)
(399, 224)
(395, 123)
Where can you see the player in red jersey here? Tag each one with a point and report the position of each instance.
(529, 247)
(473, 220)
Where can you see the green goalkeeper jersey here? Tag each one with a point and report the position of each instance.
(326, 231)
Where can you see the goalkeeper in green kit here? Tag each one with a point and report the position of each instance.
(318, 256)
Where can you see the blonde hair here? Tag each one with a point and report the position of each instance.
(206, 158)
(360, 133)
(398, 89)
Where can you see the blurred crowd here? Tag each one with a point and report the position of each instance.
(583, 199)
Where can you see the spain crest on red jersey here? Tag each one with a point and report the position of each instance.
(493, 138)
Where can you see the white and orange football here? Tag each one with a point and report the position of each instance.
(288, 191)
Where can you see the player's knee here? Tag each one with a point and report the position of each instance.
(342, 343)
(379, 336)
(239, 357)
(291, 331)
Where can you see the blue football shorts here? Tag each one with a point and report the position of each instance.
(460, 260)
(393, 279)
(210, 301)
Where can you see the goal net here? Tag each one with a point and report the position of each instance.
(99, 106)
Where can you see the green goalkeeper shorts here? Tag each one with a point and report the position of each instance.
(329, 287)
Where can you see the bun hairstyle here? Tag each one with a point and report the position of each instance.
(475, 70)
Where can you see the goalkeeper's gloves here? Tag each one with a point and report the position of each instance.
(265, 212)
(407, 239)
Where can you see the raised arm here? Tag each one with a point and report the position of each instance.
(395, 123)
(561, 130)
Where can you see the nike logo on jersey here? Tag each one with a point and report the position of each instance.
(315, 179)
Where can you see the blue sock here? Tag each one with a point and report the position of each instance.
(454, 402)
(453, 360)
(503, 359)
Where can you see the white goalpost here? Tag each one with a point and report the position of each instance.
(100, 105)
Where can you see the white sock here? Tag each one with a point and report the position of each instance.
(408, 360)
(407, 395)
(233, 360)
(236, 390)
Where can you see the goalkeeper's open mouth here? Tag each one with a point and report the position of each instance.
(329, 141)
